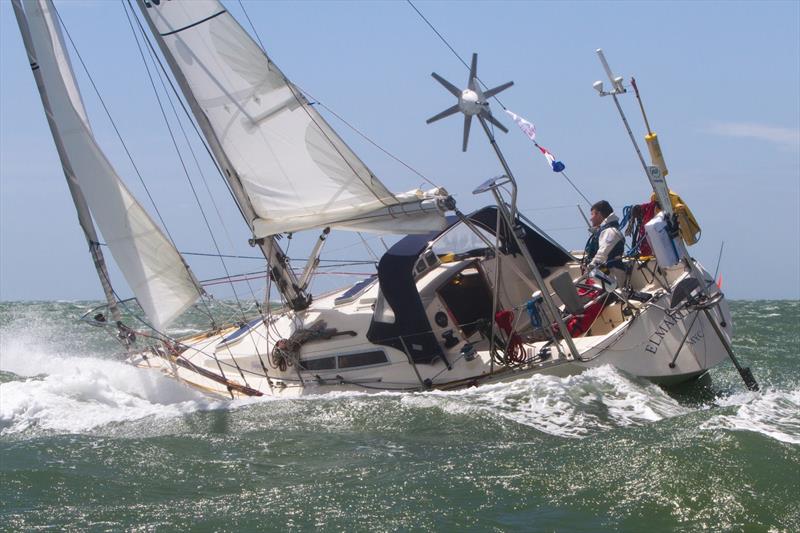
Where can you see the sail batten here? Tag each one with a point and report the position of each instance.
(156, 273)
(296, 172)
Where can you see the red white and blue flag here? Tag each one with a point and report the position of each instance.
(557, 166)
(526, 127)
(530, 130)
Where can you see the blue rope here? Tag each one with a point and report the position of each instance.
(627, 218)
(533, 313)
(626, 215)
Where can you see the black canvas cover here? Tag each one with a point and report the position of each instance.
(411, 330)
(396, 277)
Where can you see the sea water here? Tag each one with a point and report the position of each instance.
(90, 443)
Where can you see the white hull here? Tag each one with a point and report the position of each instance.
(646, 346)
(642, 342)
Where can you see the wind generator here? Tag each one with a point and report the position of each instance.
(472, 101)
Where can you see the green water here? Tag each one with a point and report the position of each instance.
(88, 443)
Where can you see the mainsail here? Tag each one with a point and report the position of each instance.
(153, 268)
(295, 171)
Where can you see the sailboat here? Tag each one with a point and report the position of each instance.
(462, 299)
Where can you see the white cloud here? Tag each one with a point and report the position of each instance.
(784, 137)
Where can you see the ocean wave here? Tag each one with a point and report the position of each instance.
(775, 414)
(48, 384)
(598, 399)
(80, 394)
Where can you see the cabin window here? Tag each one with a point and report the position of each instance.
(460, 239)
(322, 363)
(362, 359)
(346, 361)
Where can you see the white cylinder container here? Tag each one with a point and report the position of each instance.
(660, 242)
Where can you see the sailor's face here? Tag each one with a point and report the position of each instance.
(595, 218)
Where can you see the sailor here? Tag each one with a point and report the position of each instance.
(607, 243)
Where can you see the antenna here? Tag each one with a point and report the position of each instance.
(656, 177)
(471, 101)
(616, 81)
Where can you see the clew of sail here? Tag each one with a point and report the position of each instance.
(296, 172)
(153, 268)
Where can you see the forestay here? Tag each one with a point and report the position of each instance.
(295, 170)
(153, 268)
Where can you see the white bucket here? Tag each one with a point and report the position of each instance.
(660, 242)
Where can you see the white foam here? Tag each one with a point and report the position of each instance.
(77, 403)
(775, 414)
(576, 406)
(73, 393)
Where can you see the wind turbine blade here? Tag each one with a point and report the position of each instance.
(498, 125)
(473, 71)
(447, 85)
(467, 124)
(498, 89)
(446, 113)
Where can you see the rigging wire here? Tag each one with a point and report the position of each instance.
(496, 99)
(156, 60)
(447, 44)
(368, 247)
(187, 113)
(113, 123)
(175, 144)
(588, 202)
(162, 76)
(336, 262)
(367, 138)
(332, 112)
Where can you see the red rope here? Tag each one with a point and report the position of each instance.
(515, 353)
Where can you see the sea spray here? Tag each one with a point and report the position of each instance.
(90, 443)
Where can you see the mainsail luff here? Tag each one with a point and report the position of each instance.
(155, 271)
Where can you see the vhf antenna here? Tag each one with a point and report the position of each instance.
(655, 175)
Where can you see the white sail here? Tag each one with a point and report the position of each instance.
(153, 268)
(295, 170)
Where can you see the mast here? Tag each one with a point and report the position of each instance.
(84, 216)
(279, 270)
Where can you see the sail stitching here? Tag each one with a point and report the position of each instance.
(193, 24)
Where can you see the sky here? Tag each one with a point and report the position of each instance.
(720, 82)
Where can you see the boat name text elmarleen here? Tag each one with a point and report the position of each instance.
(665, 326)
